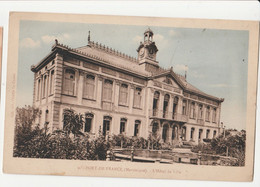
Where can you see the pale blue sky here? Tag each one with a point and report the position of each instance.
(216, 59)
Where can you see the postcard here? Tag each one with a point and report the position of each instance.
(135, 97)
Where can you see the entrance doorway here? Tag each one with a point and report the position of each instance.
(165, 133)
(106, 124)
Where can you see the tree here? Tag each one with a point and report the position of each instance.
(72, 122)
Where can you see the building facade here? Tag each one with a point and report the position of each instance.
(119, 94)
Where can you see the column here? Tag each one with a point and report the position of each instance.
(80, 87)
(99, 91)
(160, 104)
(131, 98)
(116, 93)
(188, 131)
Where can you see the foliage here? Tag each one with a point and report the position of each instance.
(73, 122)
(154, 141)
(231, 144)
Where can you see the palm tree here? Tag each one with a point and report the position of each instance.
(72, 122)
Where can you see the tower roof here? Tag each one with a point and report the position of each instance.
(148, 31)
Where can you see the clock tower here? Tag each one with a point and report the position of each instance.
(147, 52)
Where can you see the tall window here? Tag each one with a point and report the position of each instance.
(106, 124)
(200, 112)
(214, 134)
(107, 90)
(44, 86)
(122, 125)
(192, 133)
(184, 107)
(175, 107)
(52, 82)
(137, 97)
(155, 103)
(137, 128)
(39, 89)
(123, 94)
(69, 82)
(88, 122)
(165, 105)
(207, 113)
(214, 115)
(192, 110)
(89, 87)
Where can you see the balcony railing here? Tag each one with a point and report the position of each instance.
(168, 115)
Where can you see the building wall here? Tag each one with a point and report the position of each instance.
(56, 101)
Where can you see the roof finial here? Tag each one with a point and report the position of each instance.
(88, 36)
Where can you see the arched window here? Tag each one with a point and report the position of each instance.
(175, 107)
(123, 94)
(192, 110)
(107, 90)
(89, 87)
(137, 97)
(137, 127)
(51, 82)
(106, 124)
(155, 103)
(192, 133)
(207, 113)
(214, 134)
(88, 122)
(44, 89)
(200, 114)
(165, 105)
(69, 82)
(47, 116)
(123, 125)
(207, 133)
(39, 89)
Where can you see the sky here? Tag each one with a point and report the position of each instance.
(216, 60)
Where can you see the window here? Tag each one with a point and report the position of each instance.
(106, 125)
(122, 125)
(207, 113)
(207, 133)
(200, 115)
(47, 116)
(137, 97)
(137, 127)
(52, 82)
(69, 82)
(175, 107)
(192, 110)
(88, 122)
(214, 134)
(89, 87)
(44, 86)
(200, 134)
(39, 89)
(155, 103)
(214, 115)
(123, 94)
(107, 90)
(192, 133)
(165, 105)
(184, 107)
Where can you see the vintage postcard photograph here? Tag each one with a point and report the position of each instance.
(140, 97)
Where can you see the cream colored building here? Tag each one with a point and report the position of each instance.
(121, 94)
